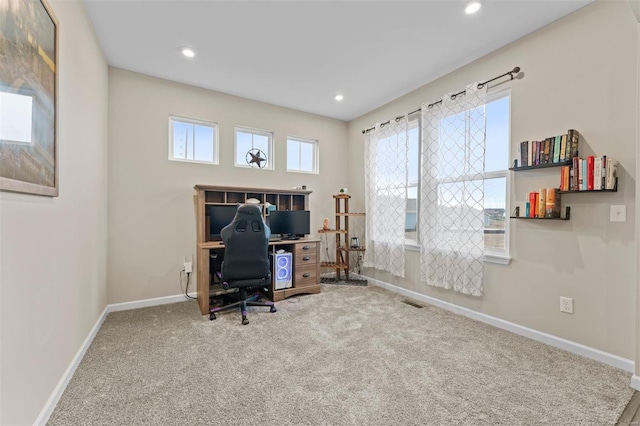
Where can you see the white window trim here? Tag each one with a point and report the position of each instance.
(271, 149)
(316, 155)
(195, 121)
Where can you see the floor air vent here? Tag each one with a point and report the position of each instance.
(412, 303)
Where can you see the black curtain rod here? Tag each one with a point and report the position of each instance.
(511, 73)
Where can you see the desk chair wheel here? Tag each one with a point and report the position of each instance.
(212, 316)
(245, 321)
(273, 308)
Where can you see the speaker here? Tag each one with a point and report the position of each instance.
(282, 268)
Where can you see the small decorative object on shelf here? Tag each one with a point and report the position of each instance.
(325, 224)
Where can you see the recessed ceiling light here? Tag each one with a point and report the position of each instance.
(338, 97)
(189, 53)
(472, 6)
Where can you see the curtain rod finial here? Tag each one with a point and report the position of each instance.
(516, 70)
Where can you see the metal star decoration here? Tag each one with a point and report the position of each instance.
(257, 157)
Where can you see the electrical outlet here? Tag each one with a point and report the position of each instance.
(188, 265)
(566, 305)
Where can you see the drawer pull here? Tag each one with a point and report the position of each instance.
(306, 275)
(305, 247)
(306, 258)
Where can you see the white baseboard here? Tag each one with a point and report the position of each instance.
(145, 303)
(51, 403)
(635, 382)
(558, 342)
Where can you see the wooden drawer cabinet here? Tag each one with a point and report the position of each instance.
(305, 259)
(305, 275)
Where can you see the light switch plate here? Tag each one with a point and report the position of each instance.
(618, 213)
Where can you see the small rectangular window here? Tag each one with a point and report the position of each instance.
(193, 140)
(254, 148)
(302, 155)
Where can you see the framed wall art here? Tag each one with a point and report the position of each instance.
(28, 97)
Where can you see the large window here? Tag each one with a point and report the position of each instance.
(193, 140)
(495, 178)
(252, 140)
(302, 155)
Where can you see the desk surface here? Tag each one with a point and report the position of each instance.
(218, 244)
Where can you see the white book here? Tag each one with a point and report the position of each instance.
(612, 172)
(597, 173)
(530, 149)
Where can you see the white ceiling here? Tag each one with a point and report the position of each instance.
(300, 54)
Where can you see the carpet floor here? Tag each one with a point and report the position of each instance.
(350, 355)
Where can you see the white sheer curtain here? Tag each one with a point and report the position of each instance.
(452, 192)
(386, 168)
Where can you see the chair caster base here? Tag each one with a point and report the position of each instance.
(273, 309)
(212, 316)
(245, 321)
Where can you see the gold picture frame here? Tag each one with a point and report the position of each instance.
(28, 97)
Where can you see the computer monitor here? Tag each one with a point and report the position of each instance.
(291, 224)
(219, 217)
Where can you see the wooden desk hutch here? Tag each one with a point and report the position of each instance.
(305, 252)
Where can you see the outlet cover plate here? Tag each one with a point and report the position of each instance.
(618, 213)
(566, 305)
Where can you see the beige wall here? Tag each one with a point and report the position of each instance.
(53, 250)
(580, 72)
(151, 207)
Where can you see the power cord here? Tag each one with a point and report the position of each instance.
(186, 290)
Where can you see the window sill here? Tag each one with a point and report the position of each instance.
(412, 247)
(500, 260)
(488, 258)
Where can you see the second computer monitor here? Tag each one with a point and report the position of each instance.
(291, 224)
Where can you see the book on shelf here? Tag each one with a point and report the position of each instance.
(542, 197)
(573, 137)
(590, 170)
(545, 157)
(532, 204)
(565, 180)
(597, 173)
(552, 205)
(590, 174)
(612, 173)
(555, 149)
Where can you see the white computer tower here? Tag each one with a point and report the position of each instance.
(282, 270)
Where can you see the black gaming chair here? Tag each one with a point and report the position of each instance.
(246, 260)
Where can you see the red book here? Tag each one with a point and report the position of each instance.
(532, 204)
(590, 163)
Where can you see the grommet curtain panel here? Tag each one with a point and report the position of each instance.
(386, 168)
(451, 219)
